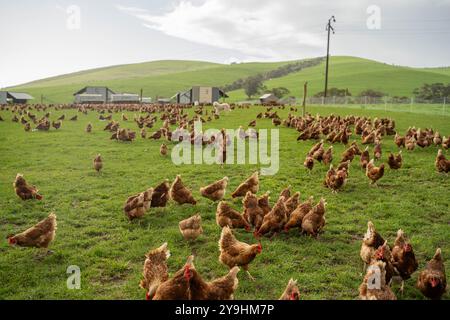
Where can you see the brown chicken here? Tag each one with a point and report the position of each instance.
(98, 163)
(235, 253)
(155, 270)
(374, 173)
(432, 281)
(335, 179)
(437, 139)
(215, 191)
(24, 190)
(315, 147)
(410, 144)
(383, 253)
(286, 193)
(291, 292)
(163, 150)
(365, 158)
(319, 153)
(400, 141)
(275, 220)
(441, 163)
(227, 216)
(403, 258)
(180, 194)
(191, 228)
(251, 184)
(136, 206)
(264, 203)
(328, 156)
(296, 217)
(446, 143)
(374, 286)
(253, 213)
(177, 287)
(143, 133)
(88, 128)
(309, 163)
(377, 151)
(292, 203)
(395, 161)
(348, 154)
(38, 236)
(219, 289)
(56, 125)
(371, 242)
(314, 221)
(160, 195)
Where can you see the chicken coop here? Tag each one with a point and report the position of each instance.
(200, 94)
(268, 98)
(94, 95)
(14, 97)
(125, 98)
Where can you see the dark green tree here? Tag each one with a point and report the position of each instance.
(432, 91)
(372, 93)
(280, 92)
(253, 85)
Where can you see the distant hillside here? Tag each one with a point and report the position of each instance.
(165, 78)
(357, 74)
(161, 78)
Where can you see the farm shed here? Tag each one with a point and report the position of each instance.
(200, 94)
(164, 101)
(268, 98)
(14, 97)
(125, 98)
(93, 95)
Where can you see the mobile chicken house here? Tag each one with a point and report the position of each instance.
(125, 98)
(200, 94)
(93, 95)
(14, 97)
(268, 98)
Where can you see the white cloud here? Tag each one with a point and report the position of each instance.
(266, 30)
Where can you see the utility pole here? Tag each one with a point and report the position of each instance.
(305, 92)
(328, 28)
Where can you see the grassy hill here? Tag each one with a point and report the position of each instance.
(161, 78)
(165, 78)
(358, 74)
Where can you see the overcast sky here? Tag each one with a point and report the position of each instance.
(50, 37)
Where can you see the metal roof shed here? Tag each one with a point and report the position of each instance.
(14, 97)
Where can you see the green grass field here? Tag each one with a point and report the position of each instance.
(94, 234)
(165, 78)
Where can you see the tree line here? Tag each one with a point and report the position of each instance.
(253, 85)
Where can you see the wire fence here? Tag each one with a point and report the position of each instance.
(389, 104)
(374, 100)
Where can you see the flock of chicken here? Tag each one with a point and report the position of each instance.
(257, 215)
(337, 130)
(387, 262)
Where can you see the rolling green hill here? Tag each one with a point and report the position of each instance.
(165, 78)
(358, 74)
(161, 78)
